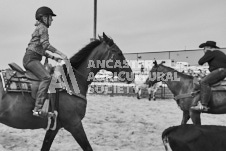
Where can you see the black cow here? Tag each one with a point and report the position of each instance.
(195, 138)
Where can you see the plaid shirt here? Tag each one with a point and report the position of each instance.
(39, 42)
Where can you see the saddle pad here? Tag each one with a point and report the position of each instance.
(219, 88)
(11, 82)
(221, 83)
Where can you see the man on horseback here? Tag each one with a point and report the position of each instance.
(216, 60)
(37, 47)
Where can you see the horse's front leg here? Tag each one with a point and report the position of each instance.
(139, 93)
(185, 118)
(149, 94)
(79, 134)
(48, 140)
(195, 117)
(154, 98)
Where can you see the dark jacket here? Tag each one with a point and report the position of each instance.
(215, 59)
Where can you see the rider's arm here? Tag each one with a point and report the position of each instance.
(49, 55)
(63, 56)
(206, 58)
(52, 57)
(44, 39)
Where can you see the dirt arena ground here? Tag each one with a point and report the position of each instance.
(111, 123)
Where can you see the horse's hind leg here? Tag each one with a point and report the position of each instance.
(48, 140)
(79, 134)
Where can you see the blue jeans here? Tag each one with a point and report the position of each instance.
(39, 71)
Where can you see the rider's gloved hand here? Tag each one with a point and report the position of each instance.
(57, 59)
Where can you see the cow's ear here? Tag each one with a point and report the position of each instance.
(155, 63)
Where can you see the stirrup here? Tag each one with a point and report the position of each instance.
(200, 107)
(37, 113)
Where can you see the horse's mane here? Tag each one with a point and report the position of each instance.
(179, 73)
(82, 54)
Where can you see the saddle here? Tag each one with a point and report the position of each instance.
(220, 86)
(21, 73)
(217, 87)
(18, 80)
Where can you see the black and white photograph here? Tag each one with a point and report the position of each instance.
(113, 75)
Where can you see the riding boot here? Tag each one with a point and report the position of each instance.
(38, 107)
(205, 97)
(37, 112)
(41, 95)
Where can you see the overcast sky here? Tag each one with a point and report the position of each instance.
(135, 25)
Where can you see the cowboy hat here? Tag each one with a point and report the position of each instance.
(208, 43)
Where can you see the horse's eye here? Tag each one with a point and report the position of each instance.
(120, 53)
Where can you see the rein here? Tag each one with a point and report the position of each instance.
(188, 95)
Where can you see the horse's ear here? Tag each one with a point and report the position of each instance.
(105, 37)
(101, 39)
(155, 63)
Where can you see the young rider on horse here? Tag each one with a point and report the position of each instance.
(37, 47)
(216, 60)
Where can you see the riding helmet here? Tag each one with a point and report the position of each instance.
(42, 11)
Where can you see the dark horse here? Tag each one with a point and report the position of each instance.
(15, 108)
(185, 89)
